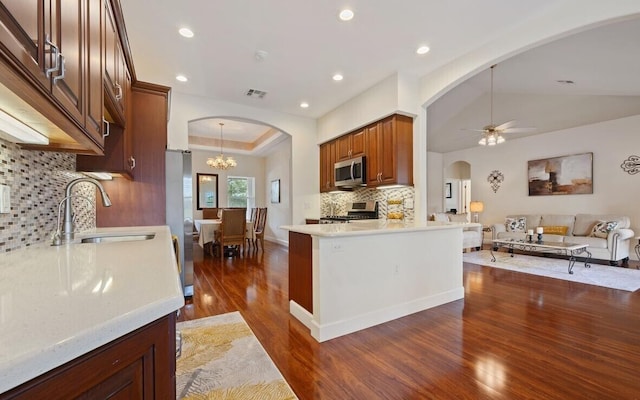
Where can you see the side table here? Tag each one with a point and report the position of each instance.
(638, 247)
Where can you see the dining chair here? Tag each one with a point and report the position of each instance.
(258, 227)
(251, 237)
(232, 229)
(210, 213)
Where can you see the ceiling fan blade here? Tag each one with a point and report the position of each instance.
(518, 130)
(474, 130)
(505, 125)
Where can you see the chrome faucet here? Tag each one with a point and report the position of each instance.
(68, 230)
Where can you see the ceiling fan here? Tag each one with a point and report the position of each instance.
(492, 134)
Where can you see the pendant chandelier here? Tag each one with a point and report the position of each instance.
(219, 162)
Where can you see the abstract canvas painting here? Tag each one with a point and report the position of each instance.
(571, 174)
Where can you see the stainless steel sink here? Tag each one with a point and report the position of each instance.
(117, 237)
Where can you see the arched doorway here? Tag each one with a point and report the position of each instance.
(263, 155)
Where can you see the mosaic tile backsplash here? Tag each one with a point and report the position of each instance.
(37, 180)
(391, 202)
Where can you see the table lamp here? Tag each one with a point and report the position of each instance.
(476, 207)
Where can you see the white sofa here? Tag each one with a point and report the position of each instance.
(610, 243)
(471, 234)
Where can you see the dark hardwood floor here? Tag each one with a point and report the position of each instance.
(513, 336)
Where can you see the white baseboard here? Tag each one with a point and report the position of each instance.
(329, 331)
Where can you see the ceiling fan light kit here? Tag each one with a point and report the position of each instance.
(491, 139)
(492, 134)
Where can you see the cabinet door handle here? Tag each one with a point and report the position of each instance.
(62, 69)
(107, 128)
(119, 92)
(56, 57)
(133, 162)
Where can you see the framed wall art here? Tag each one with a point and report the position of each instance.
(571, 174)
(447, 190)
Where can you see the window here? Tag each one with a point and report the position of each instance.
(241, 192)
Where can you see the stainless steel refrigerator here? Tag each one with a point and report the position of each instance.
(180, 210)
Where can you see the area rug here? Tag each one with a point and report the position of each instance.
(222, 359)
(599, 275)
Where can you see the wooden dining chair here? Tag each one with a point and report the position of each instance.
(232, 229)
(210, 213)
(259, 225)
(251, 237)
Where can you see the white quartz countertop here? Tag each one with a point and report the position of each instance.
(373, 227)
(58, 303)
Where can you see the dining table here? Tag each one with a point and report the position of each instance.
(207, 229)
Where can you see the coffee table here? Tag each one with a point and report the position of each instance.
(567, 249)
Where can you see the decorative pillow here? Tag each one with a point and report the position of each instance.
(518, 224)
(440, 217)
(602, 228)
(556, 230)
(458, 217)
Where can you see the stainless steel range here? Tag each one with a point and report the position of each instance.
(357, 210)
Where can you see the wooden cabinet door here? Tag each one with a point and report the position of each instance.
(358, 143)
(94, 94)
(343, 148)
(65, 25)
(21, 35)
(374, 148)
(325, 171)
(129, 145)
(139, 365)
(387, 152)
(351, 145)
(114, 68)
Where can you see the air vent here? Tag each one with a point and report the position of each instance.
(259, 94)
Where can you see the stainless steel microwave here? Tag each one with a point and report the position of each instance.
(350, 173)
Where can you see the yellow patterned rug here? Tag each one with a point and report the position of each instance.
(222, 359)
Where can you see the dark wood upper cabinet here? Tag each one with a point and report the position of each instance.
(387, 146)
(64, 26)
(327, 160)
(351, 145)
(21, 32)
(95, 76)
(48, 53)
(390, 152)
(116, 72)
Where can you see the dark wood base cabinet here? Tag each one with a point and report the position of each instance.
(140, 365)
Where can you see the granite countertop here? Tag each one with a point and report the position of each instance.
(373, 227)
(60, 302)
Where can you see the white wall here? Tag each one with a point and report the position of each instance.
(305, 162)
(614, 191)
(435, 183)
(278, 166)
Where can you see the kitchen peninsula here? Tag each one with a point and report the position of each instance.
(348, 277)
(90, 318)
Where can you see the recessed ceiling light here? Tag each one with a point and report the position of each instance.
(346, 15)
(304, 104)
(181, 78)
(338, 77)
(186, 32)
(422, 50)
